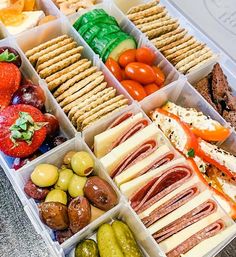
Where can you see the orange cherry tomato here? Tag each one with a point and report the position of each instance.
(151, 88)
(127, 57)
(145, 55)
(124, 75)
(135, 89)
(114, 68)
(140, 72)
(160, 76)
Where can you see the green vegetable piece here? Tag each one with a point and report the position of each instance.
(191, 153)
(126, 240)
(87, 248)
(107, 243)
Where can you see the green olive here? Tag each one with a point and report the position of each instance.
(45, 175)
(56, 195)
(68, 156)
(76, 186)
(64, 179)
(82, 163)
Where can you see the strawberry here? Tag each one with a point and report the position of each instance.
(22, 130)
(10, 78)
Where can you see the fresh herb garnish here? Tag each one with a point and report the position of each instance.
(191, 153)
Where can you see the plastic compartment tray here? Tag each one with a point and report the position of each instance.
(178, 91)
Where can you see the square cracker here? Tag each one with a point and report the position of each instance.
(59, 58)
(201, 63)
(161, 43)
(93, 104)
(143, 7)
(45, 45)
(104, 116)
(162, 19)
(70, 98)
(34, 58)
(84, 72)
(85, 93)
(96, 77)
(148, 12)
(158, 24)
(88, 100)
(66, 70)
(151, 18)
(176, 43)
(186, 67)
(59, 66)
(105, 108)
(162, 30)
(56, 52)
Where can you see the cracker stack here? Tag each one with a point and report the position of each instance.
(181, 49)
(78, 87)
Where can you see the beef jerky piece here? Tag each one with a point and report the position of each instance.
(203, 87)
(230, 101)
(230, 116)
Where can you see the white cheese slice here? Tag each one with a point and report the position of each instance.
(114, 158)
(135, 169)
(207, 245)
(103, 141)
(178, 238)
(4, 4)
(132, 186)
(194, 180)
(31, 20)
(199, 199)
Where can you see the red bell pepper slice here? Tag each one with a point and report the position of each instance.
(191, 145)
(221, 196)
(209, 158)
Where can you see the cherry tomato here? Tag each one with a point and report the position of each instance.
(114, 68)
(140, 72)
(135, 89)
(151, 88)
(127, 57)
(124, 75)
(160, 76)
(145, 55)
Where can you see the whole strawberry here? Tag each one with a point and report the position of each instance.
(22, 130)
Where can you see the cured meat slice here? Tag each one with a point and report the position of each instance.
(139, 125)
(209, 231)
(198, 213)
(159, 187)
(138, 154)
(120, 119)
(171, 205)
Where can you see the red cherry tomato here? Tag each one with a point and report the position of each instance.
(135, 89)
(151, 88)
(160, 76)
(127, 57)
(140, 72)
(145, 55)
(124, 75)
(114, 68)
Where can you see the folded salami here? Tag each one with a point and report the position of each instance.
(131, 147)
(170, 200)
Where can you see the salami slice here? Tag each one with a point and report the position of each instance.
(138, 154)
(209, 231)
(120, 119)
(171, 205)
(159, 187)
(198, 213)
(138, 126)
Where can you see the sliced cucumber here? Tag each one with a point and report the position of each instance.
(89, 16)
(108, 20)
(119, 46)
(99, 31)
